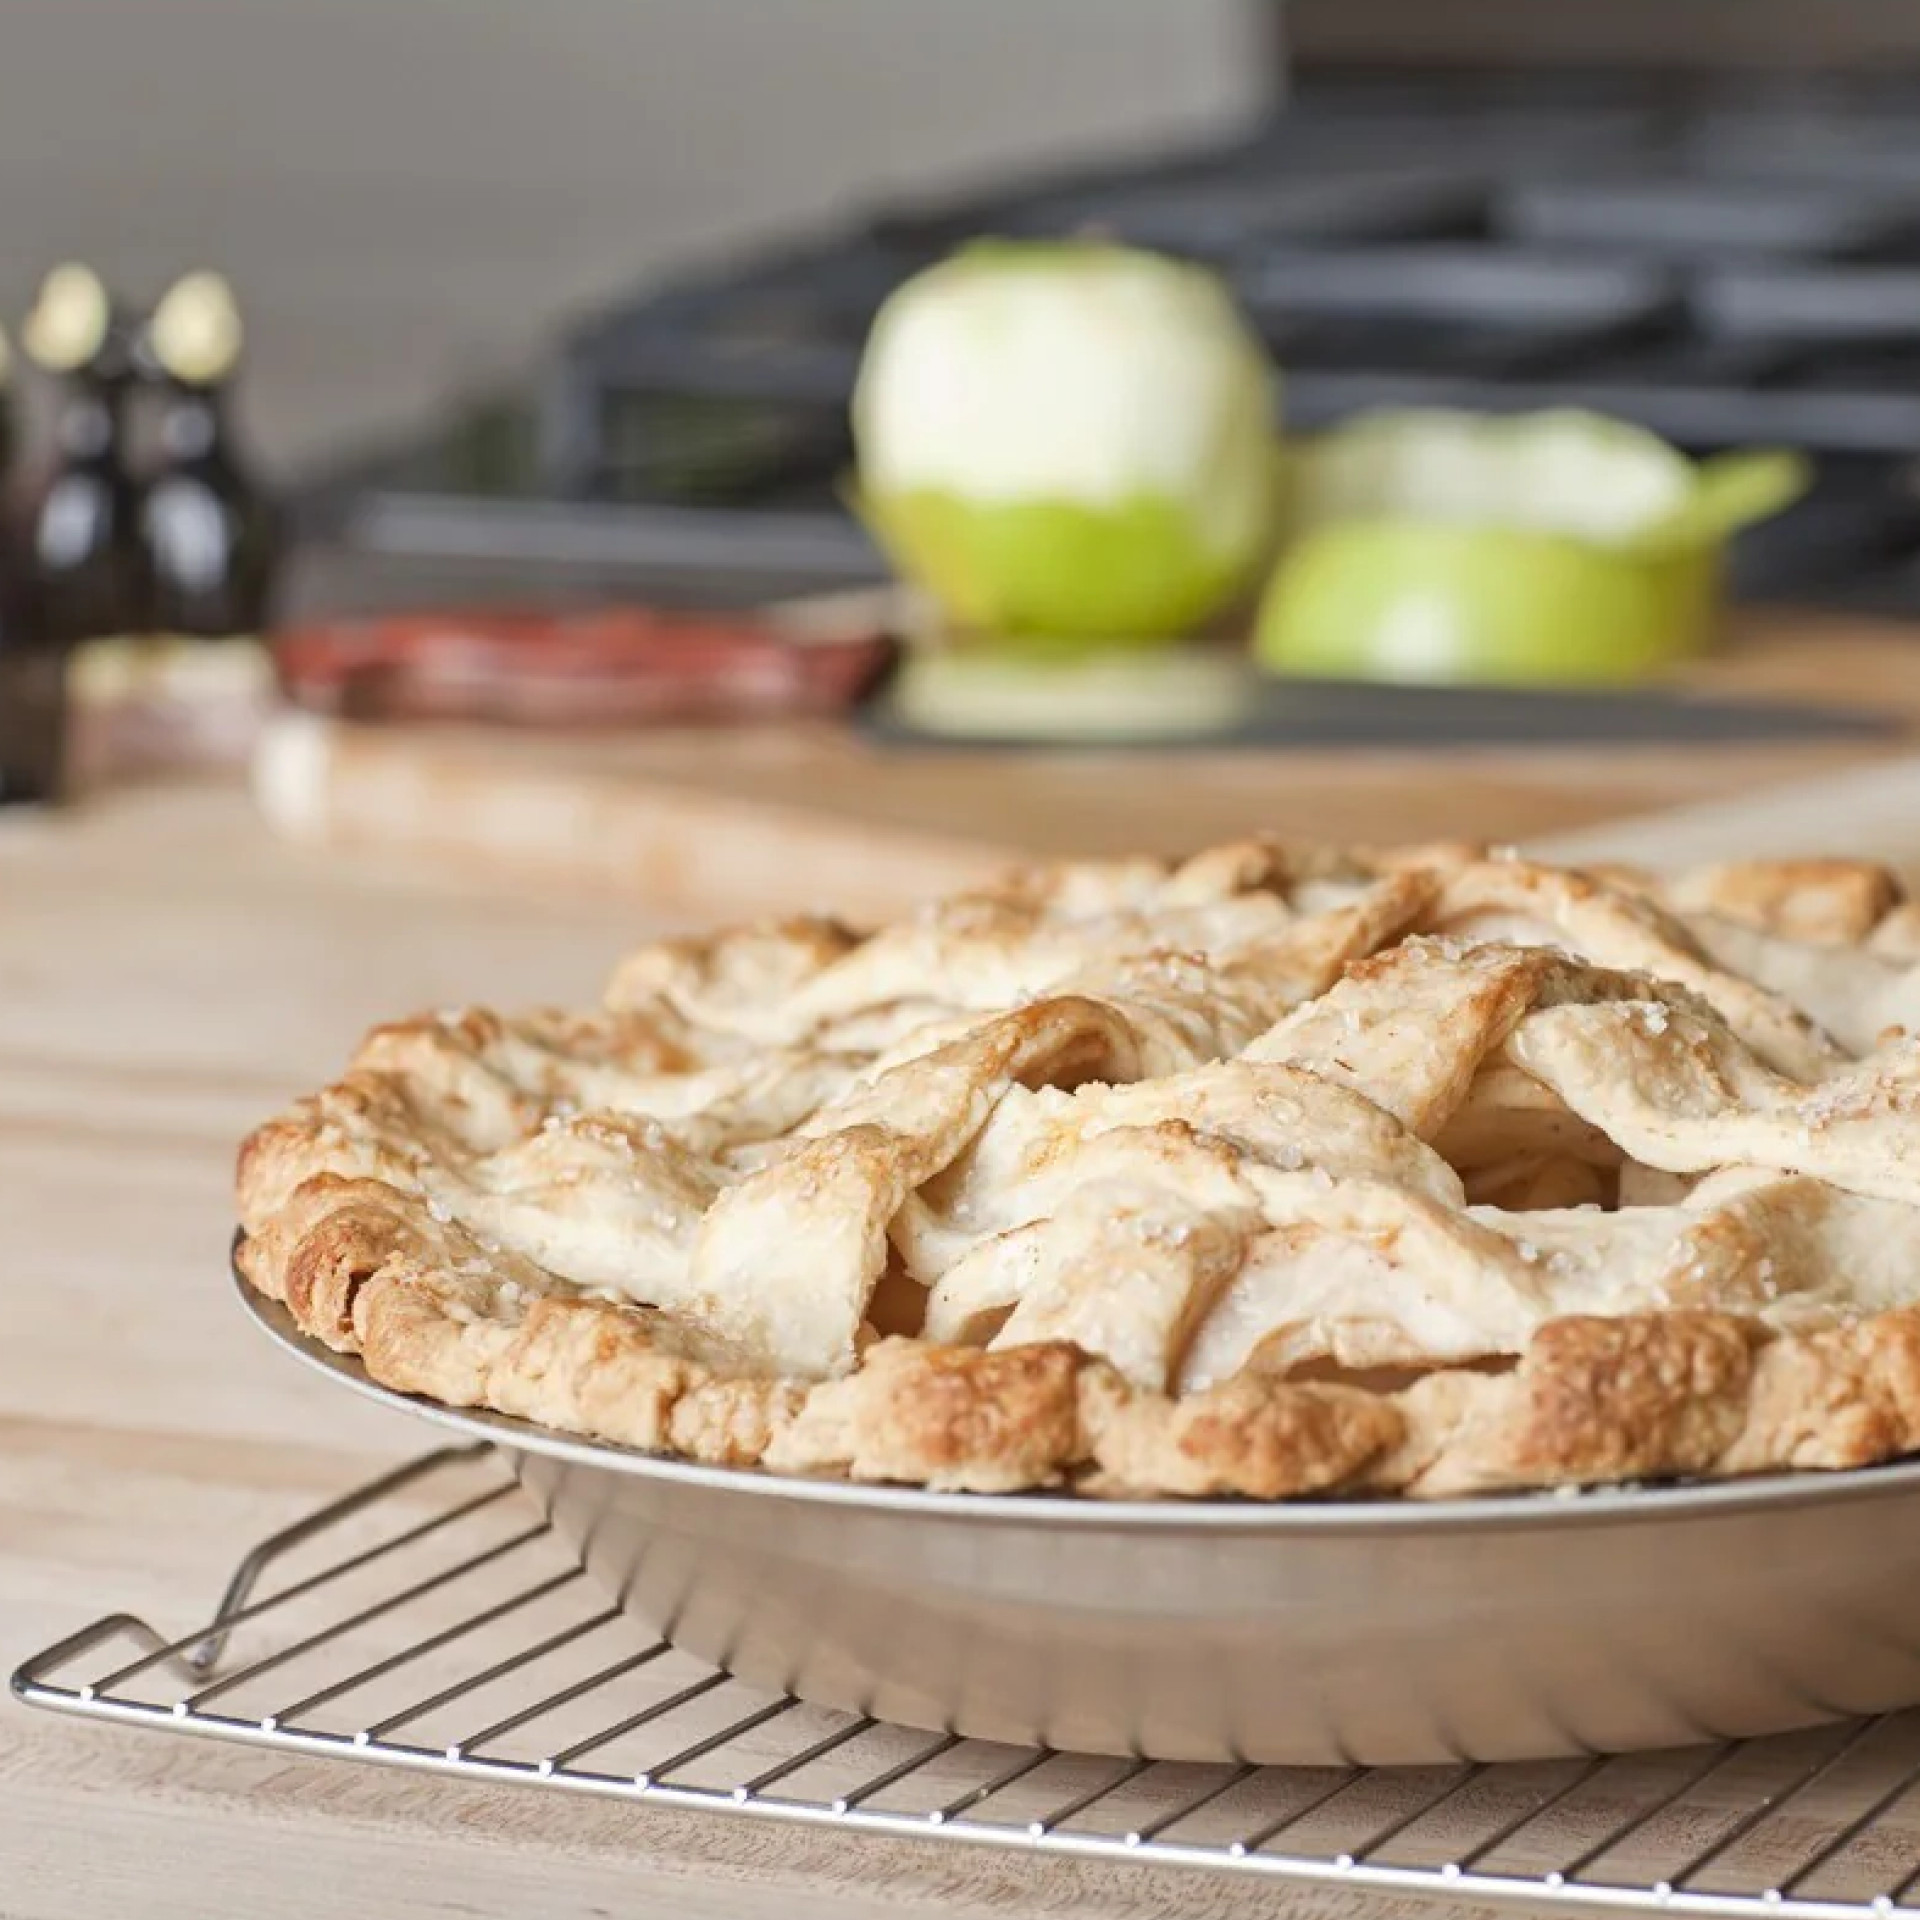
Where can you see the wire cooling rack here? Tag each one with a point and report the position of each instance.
(430, 1620)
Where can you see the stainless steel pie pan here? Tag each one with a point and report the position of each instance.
(1514, 1627)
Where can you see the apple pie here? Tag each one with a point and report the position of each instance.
(1268, 1173)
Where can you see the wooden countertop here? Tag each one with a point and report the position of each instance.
(169, 973)
(752, 820)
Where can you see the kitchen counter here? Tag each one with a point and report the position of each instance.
(754, 820)
(168, 975)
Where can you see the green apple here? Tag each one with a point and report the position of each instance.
(1552, 548)
(1067, 444)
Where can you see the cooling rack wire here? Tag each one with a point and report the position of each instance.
(429, 1620)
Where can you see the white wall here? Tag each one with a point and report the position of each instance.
(406, 190)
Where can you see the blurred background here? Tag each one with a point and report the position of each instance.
(419, 203)
(409, 197)
(562, 309)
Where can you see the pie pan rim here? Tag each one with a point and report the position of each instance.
(1526, 1508)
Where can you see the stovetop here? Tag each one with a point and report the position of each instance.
(1726, 268)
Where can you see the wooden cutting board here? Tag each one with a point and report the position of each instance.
(768, 820)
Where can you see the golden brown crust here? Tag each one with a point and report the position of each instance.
(1592, 1400)
(1254, 1437)
(1829, 902)
(1822, 902)
(325, 1247)
(949, 1417)
(1190, 1168)
(1844, 1398)
(1664, 1396)
(1643, 1396)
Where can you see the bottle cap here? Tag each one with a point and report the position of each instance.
(70, 320)
(195, 333)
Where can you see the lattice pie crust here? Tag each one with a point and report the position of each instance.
(1269, 1173)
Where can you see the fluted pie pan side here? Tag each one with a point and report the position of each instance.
(1314, 1633)
(1354, 1179)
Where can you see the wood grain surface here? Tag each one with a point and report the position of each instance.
(169, 973)
(754, 821)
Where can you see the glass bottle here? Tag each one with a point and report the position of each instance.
(208, 528)
(33, 703)
(85, 565)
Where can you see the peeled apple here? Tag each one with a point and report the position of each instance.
(1553, 548)
(1067, 443)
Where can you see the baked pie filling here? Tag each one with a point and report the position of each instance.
(1269, 1173)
